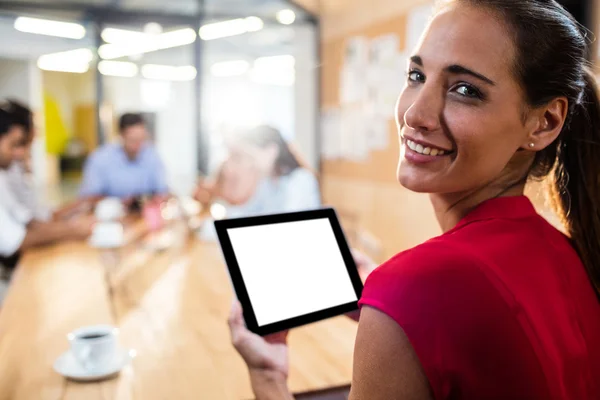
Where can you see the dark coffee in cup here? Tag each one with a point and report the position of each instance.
(93, 336)
(94, 347)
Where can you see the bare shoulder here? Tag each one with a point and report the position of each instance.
(385, 364)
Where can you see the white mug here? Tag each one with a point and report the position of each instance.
(107, 235)
(94, 347)
(109, 209)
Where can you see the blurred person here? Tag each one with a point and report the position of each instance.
(502, 305)
(129, 169)
(16, 183)
(17, 189)
(261, 175)
(17, 233)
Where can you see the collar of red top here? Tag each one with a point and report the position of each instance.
(500, 207)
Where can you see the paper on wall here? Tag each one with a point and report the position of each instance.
(353, 128)
(377, 133)
(353, 85)
(387, 74)
(416, 24)
(330, 131)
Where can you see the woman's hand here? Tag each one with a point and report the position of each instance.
(266, 358)
(205, 191)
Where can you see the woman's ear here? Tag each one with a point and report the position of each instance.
(549, 121)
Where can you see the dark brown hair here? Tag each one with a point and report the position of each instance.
(5, 122)
(21, 115)
(130, 119)
(551, 61)
(265, 135)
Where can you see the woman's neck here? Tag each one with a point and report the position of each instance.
(451, 208)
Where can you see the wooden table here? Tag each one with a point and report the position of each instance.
(171, 307)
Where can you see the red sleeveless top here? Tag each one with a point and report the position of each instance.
(500, 307)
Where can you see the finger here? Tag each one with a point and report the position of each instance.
(236, 318)
(279, 337)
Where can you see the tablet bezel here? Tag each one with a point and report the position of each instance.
(221, 227)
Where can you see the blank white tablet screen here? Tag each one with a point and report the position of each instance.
(291, 269)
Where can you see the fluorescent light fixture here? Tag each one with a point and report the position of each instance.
(124, 43)
(275, 62)
(168, 72)
(286, 17)
(123, 69)
(153, 28)
(230, 68)
(48, 27)
(76, 61)
(115, 35)
(230, 27)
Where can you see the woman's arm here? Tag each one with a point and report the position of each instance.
(385, 364)
(269, 385)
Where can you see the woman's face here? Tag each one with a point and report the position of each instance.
(460, 116)
(244, 155)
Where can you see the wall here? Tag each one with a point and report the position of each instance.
(368, 191)
(306, 94)
(22, 80)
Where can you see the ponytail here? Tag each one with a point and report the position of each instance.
(575, 186)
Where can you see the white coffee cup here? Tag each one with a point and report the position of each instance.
(109, 209)
(94, 347)
(107, 235)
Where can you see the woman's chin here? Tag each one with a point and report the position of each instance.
(414, 183)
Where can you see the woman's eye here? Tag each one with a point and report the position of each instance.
(416, 76)
(468, 91)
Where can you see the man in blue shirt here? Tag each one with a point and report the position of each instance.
(127, 169)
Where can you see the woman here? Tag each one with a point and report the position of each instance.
(261, 176)
(502, 305)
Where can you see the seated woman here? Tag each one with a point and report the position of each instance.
(262, 175)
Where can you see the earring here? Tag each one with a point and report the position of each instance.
(532, 145)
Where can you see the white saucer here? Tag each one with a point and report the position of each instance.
(98, 244)
(67, 366)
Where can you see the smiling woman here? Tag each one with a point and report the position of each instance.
(501, 305)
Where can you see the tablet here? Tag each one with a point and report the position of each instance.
(289, 269)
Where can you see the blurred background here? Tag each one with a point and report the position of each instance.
(324, 73)
(193, 68)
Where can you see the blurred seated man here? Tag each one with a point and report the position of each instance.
(19, 231)
(128, 169)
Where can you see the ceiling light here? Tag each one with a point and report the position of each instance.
(48, 27)
(229, 68)
(286, 17)
(118, 68)
(125, 43)
(115, 35)
(153, 28)
(168, 72)
(77, 61)
(231, 27)
(275, 62)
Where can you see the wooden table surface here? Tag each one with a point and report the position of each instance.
(171, 306)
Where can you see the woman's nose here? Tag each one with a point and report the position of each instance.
(423, 114)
